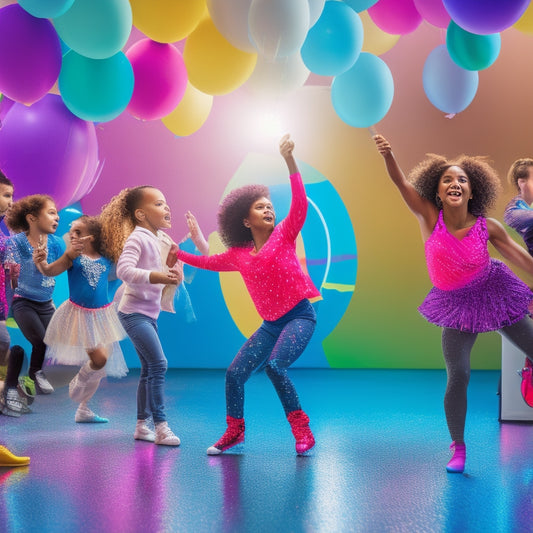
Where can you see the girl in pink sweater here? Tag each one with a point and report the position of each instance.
(265, 256)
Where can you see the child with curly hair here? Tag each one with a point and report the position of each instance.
(265, 255)
(472, 292)
(34, 220)
(131, 227)
(85, 329)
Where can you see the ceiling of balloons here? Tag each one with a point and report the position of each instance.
(72, 63)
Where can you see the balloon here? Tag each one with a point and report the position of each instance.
(362, 96)
(471, 51)
(44, 148)
(96, 28)
(190, 114)
(397, 17)
(46, 9)
(96, 89)
(434, 12)
(278, 28)
(231, 19)
(482, 17)
(160, 79)
(360, 5)
(334, 43)
(167, 21)
(67, 216)
(525, 22)
(448, 87)
(315, 10)
(278, 77)
(376, 41)
(30, 55)
(5, 105)
(215, 66)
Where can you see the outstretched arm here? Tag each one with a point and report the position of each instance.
(40, 252)
(509, 249)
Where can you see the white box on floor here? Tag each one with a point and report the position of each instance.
(513, 408)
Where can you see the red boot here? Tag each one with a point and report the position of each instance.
(233, 435)
(299, 422)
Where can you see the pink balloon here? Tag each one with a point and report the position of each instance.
(30, 55)
(44, 148)
(434, 12)
(160, 79)
(396, 17)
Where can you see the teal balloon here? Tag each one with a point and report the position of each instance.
(67, 215)
(96, 28)
(362, 96)
(46, 9)
(360, 5)
(471, 51)
(334, 43)
(448, 87)
(96, 90)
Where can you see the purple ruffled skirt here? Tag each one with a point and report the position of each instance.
(498, 298)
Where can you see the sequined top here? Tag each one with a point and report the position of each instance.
(88, 281)
(273, 276)
(31, 283)
(519, 216)
(453, 263)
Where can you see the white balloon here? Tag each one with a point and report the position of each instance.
(315, 10)
(231, 20)
(278, 28)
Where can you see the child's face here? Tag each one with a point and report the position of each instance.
(153, 213)
(454, 187)
(48, 218)
(77, 230)
(526, 187)
(6, 198)
(261, 215)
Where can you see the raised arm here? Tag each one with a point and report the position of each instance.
(196, 235)
(509, 249)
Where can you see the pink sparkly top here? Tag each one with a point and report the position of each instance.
(273, 276)
(453, 263)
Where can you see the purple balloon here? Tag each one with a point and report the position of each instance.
(30, 55)
(485, 16)
(46, 149)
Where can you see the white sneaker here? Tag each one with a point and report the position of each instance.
(43, 385)
(164, 435)
(143, 432)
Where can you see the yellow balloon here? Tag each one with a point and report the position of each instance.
(525, 22)
(167, 21)
(376, 41)
(215, 66)
(190, 114)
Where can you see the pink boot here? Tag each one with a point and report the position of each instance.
(233, 435)
(457, 462)
(299, 422)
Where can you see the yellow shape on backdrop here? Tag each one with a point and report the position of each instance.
(190, 114)
(167, 21)
(525, 22)
(376, 41)
(214, 65)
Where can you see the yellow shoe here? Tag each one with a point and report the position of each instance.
(8, 459)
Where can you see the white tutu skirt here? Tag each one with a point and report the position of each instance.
(73, 330)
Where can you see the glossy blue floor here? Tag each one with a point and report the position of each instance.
(379, 463)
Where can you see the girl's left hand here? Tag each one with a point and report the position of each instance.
(286, 146)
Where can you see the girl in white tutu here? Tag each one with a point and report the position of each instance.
(85, 329)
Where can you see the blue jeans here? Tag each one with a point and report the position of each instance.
(142, 330)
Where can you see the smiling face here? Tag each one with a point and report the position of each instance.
(153, 212)
(454, 188)
(47, 220)
(261, 215)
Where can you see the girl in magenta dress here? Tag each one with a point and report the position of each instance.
(472, 292)
(265, 256)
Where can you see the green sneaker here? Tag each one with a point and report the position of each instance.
(26, 388)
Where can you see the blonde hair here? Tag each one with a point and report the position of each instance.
(519, 170)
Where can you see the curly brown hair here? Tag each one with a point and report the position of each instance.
(29, 205)
(519, 170)
(484, 179)
(118, 219)
(233, 210)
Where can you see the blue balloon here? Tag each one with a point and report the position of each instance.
(471, 51)
(362, 96)
(334, 43)
(360, 5)
(448, 87)
(67, 215)
(96, 90)
(47, 9)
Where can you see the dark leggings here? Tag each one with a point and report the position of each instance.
(456, 347)
(32, 318)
